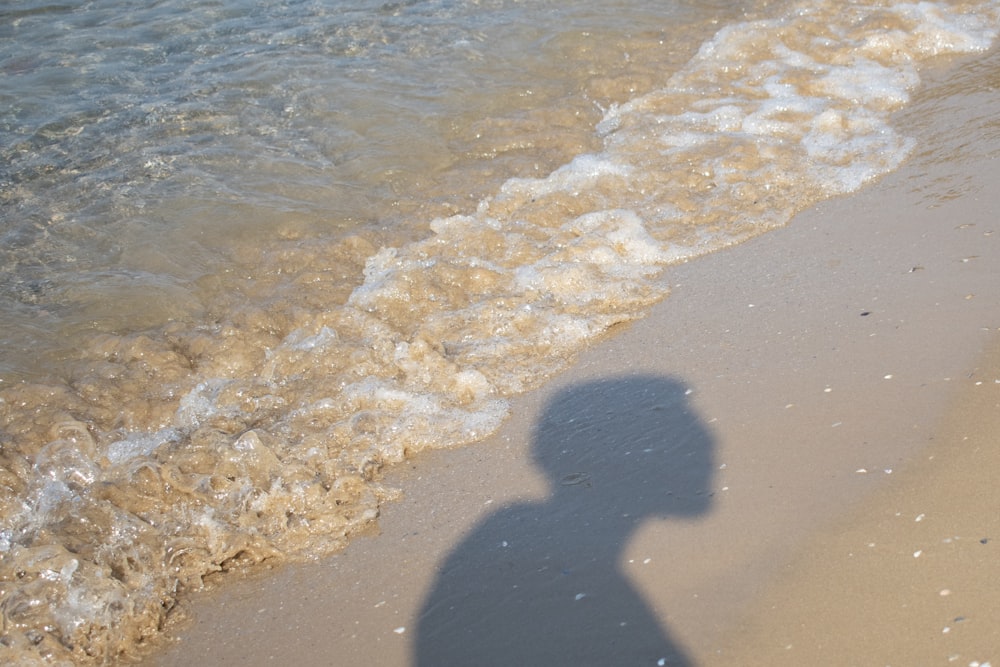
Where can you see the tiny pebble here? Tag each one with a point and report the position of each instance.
(580, 596)
(887, 377)
(945, 592)
(828, 390)
(661, 662)
(400, 630)
(945, 630)
(916, 554)
(920, 517)
(647, 561)
(862, 470)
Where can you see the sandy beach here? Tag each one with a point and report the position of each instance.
(906, 578)
(821, 404)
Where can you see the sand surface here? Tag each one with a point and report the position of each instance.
(803, 396)
(909, 577)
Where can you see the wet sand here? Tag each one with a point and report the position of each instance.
(795, 388)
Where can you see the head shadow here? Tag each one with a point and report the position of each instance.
(541, 583)
(633, 443)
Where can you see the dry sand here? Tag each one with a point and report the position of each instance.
(911, 576)
(854, 340)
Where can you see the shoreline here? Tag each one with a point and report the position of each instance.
(833, 345)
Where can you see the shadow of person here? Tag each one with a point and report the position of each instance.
(542, 583)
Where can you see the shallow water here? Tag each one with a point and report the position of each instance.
(147, 152)
(252, 254)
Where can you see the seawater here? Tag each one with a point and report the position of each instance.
(255, 252)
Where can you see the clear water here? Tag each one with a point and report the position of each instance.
(254, 252)
(147, 149)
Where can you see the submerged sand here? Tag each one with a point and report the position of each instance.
(820, 388)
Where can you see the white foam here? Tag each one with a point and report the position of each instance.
(578, 175)
(869, 83)
(938, 32)
(138, 445)
(303, 341)
(201, 403)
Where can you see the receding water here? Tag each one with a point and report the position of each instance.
(152, 157)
